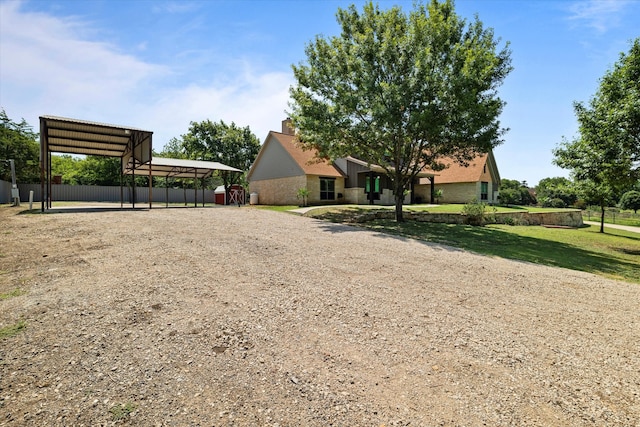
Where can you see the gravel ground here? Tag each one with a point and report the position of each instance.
(246, 317)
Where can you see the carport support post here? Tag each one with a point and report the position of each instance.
(150, 186)
(203, 192)
(166, 187)
(121, 191)
(49, 183)
(133, 186)
(42, 151)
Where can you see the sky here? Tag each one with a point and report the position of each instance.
(158, 65)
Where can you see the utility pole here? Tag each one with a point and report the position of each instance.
(15, 193)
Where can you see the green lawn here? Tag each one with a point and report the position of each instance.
(614, 254)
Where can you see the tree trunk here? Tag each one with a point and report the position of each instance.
(399, 200)
(398, 193)
(602, 218)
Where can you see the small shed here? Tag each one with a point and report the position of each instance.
(236, 195)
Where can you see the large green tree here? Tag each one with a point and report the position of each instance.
(556, 188)
(220, 142)
(401, 91)
(604, 159)
(18, 141)
(513, 192)
(630, 200)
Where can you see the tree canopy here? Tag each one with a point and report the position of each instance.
(604, 159)
(19, 142)
(401, 90)
(550, 190)
(630, 200)
(219, 142)
(513, 192)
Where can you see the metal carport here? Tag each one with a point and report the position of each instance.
(179, 168)
(133, 146)
(72, 136)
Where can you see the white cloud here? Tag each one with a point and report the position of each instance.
(50, 67)
(47, 66)
(255, 100)
(600, 15)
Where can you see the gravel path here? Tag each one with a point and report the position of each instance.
(246, 317)
(617, 226)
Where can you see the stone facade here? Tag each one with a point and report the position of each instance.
(464, 192)
(284, 191)
(313, 185)
(278, 191)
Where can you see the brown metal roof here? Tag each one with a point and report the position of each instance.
(64, 135)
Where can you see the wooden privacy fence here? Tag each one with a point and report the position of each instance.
(101, 193)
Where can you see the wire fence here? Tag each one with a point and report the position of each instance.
(612, 216)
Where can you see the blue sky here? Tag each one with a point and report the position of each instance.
(157, 65)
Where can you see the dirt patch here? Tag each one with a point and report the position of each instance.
(244, 317)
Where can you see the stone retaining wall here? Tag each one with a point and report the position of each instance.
(568, 218)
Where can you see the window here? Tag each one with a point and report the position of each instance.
(327, 188)
(484, 191)
(376, 187)
(376, 184)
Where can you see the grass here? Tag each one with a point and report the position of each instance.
(120, 411)
(614, 254)
(14, 293)
(12, 330)
(285, 208)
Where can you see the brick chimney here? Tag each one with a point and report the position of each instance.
(287, 127)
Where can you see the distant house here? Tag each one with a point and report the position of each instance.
(282, 167)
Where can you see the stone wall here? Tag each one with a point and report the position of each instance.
(568, 218)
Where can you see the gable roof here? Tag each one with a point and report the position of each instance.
(455, 172)
(305, 159)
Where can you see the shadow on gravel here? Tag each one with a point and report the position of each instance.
(496, 242)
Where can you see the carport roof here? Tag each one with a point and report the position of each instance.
(179, 168)
(64, 135)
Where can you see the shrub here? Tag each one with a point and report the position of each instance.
(303, 194)
(580, 204)
(474, 212)
(437, 194)
(554, 203)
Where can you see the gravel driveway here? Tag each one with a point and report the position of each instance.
(246, 317)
